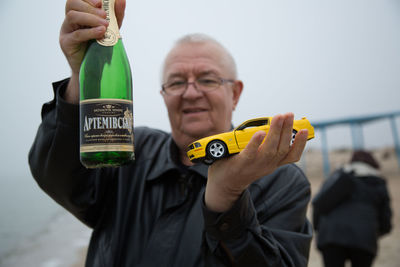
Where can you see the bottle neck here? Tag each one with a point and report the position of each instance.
(112, 35)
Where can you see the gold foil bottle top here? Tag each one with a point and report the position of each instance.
(112, 33)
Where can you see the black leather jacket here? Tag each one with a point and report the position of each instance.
(151, 213)
(360, 216)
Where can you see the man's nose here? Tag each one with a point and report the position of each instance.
(192, 90)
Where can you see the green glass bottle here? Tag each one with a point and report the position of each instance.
(106, 104)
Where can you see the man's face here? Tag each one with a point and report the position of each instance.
(196, 114)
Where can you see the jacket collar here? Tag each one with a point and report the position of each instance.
(361, 169)
(168, 161)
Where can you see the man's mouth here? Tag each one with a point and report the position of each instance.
(193, 110)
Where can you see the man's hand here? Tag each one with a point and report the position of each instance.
(84, 20)
(228, 178)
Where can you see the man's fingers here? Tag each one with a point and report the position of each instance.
(83, 35)
(96, 3)
(120, 11)
(251, 150)
(88, 6)
(94, 7)
(297, 148)
(286, 133)
(76, 20)
(274, 134)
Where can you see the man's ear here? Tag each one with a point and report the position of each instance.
(237, 91)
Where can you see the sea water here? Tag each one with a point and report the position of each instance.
(32, 225)
(25, 210)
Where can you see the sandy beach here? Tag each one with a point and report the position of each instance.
(67, 246)
(389, 245)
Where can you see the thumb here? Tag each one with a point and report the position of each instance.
(120, 11)
(251, 148)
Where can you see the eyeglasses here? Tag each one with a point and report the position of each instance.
(204, 84)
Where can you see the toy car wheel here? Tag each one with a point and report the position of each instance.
(294, 132)
(216, 149)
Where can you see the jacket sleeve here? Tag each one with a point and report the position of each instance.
(267, 226)
(385, 212)
(338, 188)
(54, 160)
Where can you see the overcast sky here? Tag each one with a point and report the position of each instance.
(319, 59)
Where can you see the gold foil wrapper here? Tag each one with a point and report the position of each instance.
(112, 35)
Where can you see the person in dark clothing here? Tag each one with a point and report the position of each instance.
(351, 211)
(162, 210)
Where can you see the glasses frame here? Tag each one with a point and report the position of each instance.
(222, 80)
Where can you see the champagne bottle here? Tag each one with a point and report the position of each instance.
(106, 104)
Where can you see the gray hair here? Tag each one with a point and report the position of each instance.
(195, 38)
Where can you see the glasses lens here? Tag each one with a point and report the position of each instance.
(204, 84)
(175, 87)
(208, 83)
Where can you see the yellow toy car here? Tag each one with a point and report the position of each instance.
(215, 147)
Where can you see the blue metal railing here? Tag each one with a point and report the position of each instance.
(356, 124)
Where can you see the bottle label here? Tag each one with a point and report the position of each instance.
(112, 33)
(106, 125)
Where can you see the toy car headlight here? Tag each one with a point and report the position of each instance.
(197, 144)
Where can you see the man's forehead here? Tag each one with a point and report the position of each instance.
(195, 57)
(197, 47)
(193, 51)
(197, 72)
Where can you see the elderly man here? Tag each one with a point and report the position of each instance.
(161, 210)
